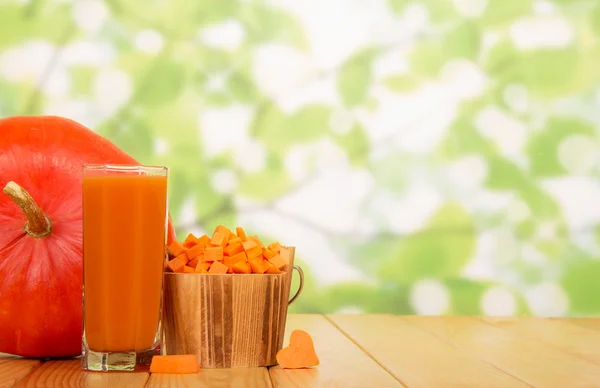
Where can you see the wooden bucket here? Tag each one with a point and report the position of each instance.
(231, 320)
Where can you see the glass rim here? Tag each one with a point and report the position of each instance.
(124, 167)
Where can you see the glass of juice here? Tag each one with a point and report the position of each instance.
(124, 235)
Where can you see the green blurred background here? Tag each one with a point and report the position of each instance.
(424, 156)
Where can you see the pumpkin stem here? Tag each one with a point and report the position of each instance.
(38, 224)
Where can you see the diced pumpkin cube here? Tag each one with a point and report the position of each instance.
(184, 257)
(267, 253)
(242, 267)
(175, 364)
(204, 240)
(218, 268)
(176, 249)
(275, 247)
(254, 252)
(232, 249)
(213, 254)
(234, 241)
(240, 256)
(240, 233)
(196, 250)
(249, 244)
(278, 262)
(256, 240)
(231, 260)
(219, 239)
(190, 241)
(203, 266)
(223, 229)
(232, 236)
(271, 269)
(188, 269)
(194, 262)
(178, 263)
(257, 266)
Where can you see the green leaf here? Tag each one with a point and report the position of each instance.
(465, 295)
(543, 146)
(218, 98)
(353, 294)
(223, 215)
(38, 20)
(82, 78)
(356, 144)
(595, 19)
(265, 23)
(268, 184)
(14, 97)
(463, 138)
(545, 73)
(370, 255)
(280, 132)
(209, 12)
(135, 137)
(177, 21)
(553, 249)
(161, 83)
(179, 114)
(541, 204)
(175, 123)
(223, 160)
(398, 5)
(503, 174)
(354, 78)
(212, 60)
(440, 11)
(526, 229)
(242, 87)
(402, 83)
(581, 285)
(502, 12)
(441, 249)
(178, 191)
(428, 58)
(207, 200)
(268, 125)
(369, 298)
(464, 41)
(391, 172)
(312, 300)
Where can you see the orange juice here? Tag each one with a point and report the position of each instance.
(124, 228)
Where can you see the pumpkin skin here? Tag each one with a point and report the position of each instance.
(41, 277)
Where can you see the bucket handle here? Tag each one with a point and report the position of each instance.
(301, 286)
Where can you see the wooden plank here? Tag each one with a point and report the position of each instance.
(525, 358)
(417, 357)
(13, 369)
(588, 323)
(69, 374)
(573, 339)
(342, 363)
(236, 377)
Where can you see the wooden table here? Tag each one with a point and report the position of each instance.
(377, 351)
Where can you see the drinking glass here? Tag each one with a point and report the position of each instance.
(124, 234)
